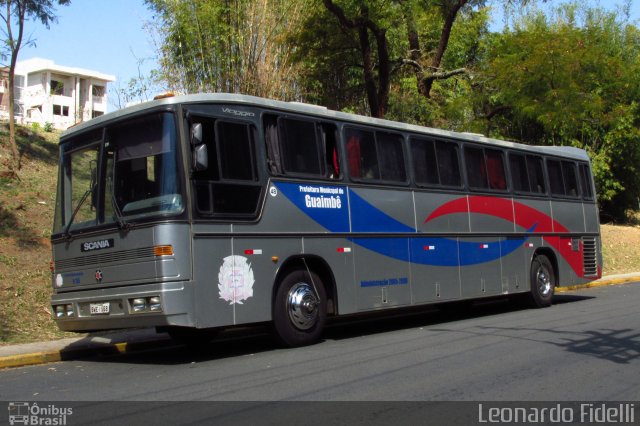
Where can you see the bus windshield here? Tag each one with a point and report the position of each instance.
(127, 172)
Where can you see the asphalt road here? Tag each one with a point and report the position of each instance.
(585, 347)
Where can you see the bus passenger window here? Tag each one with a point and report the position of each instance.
(555, 177)
(331, 157)
(495, 169)
(570, 178)
(448, 164)
(476, 169)
(274, 157)
(536, 174)
(391, 157)
(425, 167)
(585, 180)
(299, 147)
(519, 177)
(361, 153)
(353, 154)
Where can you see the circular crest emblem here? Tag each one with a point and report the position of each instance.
(98, 275)
(235, 279)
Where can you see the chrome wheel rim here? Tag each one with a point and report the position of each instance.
(543, 281)
(302, 306)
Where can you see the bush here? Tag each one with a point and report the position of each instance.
(48, 127)
(35, 126)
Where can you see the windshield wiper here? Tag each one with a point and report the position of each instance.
(122, 223)
(67, 233)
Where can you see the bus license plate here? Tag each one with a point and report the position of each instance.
(99, 308)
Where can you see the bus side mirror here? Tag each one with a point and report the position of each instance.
(196, 133)
(200, 158)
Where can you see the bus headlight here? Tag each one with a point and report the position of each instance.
(60, 311)
(64, 311)
(139, 305)
(154, 304)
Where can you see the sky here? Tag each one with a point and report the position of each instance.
(108, 36)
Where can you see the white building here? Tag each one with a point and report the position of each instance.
(60, 95)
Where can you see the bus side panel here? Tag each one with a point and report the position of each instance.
(480, 266)
(516, 265)
(426, 203)
(338, 253)
(381, 211)
(491, 214)
(254, 274)
(382, 264)
(568, 215)
(568, 219)
(208, 255)
(382, 280)
(435, 269)
(591, 220)
(299, 208)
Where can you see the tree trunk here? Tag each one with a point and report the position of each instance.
(378, 97)
(450, 18)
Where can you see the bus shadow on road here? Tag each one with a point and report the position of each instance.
(449, 312)
(253, 340)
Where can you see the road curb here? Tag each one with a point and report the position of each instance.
(91, 349)
(85, 351)
(600, 283)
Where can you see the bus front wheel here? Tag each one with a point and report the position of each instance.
(300, 308)
(543, 281)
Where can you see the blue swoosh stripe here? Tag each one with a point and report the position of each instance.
(434, 251)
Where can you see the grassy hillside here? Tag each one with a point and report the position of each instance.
(26, 215)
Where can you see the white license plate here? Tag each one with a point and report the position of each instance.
(99, 308)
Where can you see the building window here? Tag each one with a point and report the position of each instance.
(57, 88)
(61, 110)
(97, 91)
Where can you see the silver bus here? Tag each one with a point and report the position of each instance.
(199, 212)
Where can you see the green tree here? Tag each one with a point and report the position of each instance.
(570, 78)
(236, 46)
(14, 13)
(379, 41)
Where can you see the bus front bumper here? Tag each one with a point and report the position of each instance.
(147, 305)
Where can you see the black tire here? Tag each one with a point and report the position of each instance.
(299, 309)
(543, 282)
(192, 337)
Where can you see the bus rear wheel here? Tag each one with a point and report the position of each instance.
(300, 308)
(543, 281)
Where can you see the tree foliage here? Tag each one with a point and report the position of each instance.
(570, 78)
(14, 13)
(227, 46)
(566, 77)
